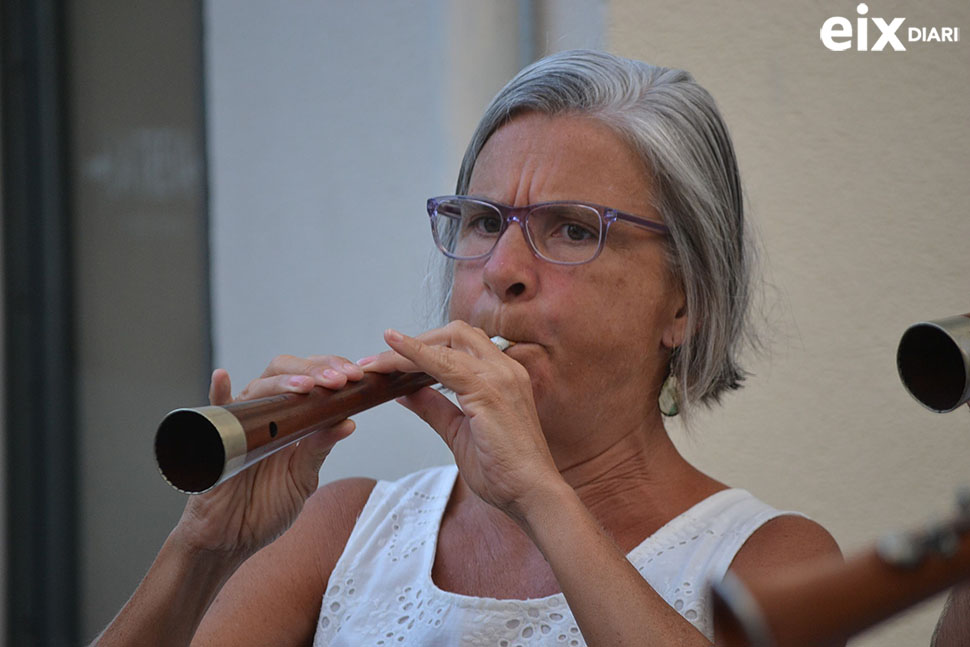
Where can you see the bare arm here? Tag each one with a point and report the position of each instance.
(271, 598)
(274, 597)
(223, 528)
(171, 600)
(612, 603)
(780, 546)
(953, 628)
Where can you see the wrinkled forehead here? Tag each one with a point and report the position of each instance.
(536, 157)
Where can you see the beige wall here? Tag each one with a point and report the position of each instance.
(856, 168)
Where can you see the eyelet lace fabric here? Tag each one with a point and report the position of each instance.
(381, 592)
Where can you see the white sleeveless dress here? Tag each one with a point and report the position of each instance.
(381, 592)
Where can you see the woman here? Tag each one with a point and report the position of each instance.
(619, 313)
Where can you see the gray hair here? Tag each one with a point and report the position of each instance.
(676, 128)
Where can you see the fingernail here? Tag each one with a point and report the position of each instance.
(393, 335)
(331, 374)
(364, 361)
(352, 368)
(299, 381)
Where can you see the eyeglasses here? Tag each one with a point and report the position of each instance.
(567, 233)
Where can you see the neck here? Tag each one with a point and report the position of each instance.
(635, 482)
(632, 483)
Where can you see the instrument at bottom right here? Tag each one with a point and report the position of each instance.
(933, 360)
(827, 602)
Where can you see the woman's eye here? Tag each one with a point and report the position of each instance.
(489, 224)
(577, 232)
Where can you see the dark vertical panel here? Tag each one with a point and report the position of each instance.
(105, 283)
(41, 559)
(138, 195)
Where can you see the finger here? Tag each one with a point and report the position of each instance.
(461, 335)
(456, 335)
(319, 363)
(290, 374)
(456, 363)
(387, 362)
(437, 410)
(331, 371)
(220, 387)
(314, 449)
(263, 387)
(390, 360)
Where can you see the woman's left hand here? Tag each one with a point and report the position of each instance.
(495, 433)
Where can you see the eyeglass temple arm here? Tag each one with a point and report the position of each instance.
(643, 222)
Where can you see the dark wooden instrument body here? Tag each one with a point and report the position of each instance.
(196, 449)
(826, 602)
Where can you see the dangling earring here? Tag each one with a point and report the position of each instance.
(669, 399)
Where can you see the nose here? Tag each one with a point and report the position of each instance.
(510, 271)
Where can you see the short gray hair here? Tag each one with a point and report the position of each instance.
(674, 125)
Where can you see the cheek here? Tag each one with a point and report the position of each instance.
(462, 295)
(630, 311)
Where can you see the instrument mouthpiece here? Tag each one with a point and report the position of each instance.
(502, 343)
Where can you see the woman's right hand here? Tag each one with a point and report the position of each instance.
(238, 517)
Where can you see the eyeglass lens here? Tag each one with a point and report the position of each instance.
(562, 233)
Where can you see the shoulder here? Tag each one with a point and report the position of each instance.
(783, 541)
(320, 532)
(313, 544)
(781, 545)
(328, 519)
(333, 509)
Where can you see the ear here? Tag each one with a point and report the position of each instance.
(676, 331)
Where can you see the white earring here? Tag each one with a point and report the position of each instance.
(669, 399)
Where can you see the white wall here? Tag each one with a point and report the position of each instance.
(329, 126)
(855, 166)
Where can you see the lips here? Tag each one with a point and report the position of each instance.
(503, 327)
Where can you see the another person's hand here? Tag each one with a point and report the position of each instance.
(250, 510)
(494, 433)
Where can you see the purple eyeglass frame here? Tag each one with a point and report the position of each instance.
(608, 216)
